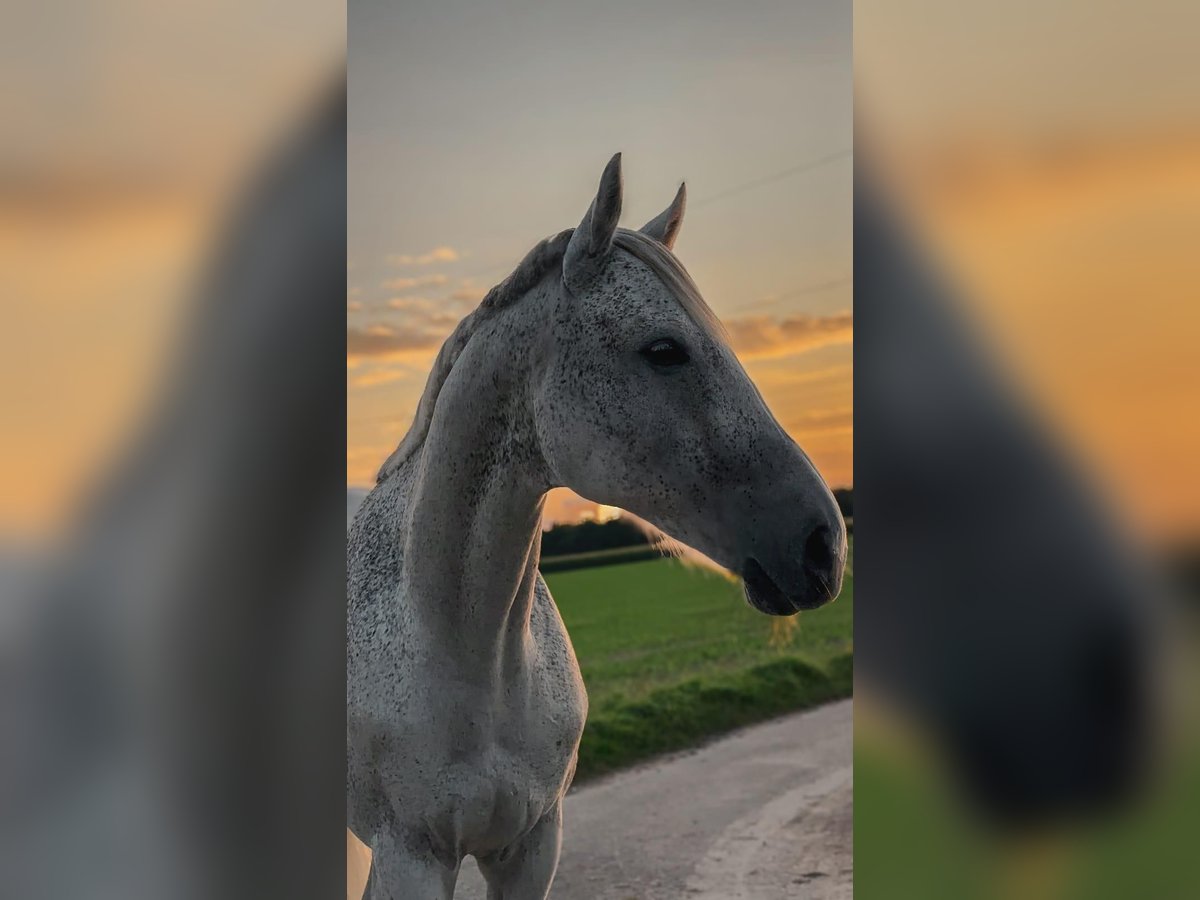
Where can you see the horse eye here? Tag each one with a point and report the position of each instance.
(665, 352)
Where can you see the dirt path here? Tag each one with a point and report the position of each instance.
(762, 814)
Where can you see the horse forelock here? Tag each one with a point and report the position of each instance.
(670, 271)
(545, 257)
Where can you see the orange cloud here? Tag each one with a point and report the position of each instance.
(767, 337)
(437, 254)
(379, 376)
(421, 305)
(386, 342)
(820, 421)
(413, 283)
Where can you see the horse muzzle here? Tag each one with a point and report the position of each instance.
(809, 582)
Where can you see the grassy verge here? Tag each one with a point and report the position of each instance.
(681, 716)
(673, 655)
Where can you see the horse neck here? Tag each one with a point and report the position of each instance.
(473, 544)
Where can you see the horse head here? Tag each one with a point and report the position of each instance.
(641, 403)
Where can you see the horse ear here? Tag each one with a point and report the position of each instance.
(664, 227)
(589, 245)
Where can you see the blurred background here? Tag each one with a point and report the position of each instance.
(130, 130)
(1027, 210)
(172, 220)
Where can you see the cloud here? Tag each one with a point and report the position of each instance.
(415, 341)
(768, 337)
(437, 254)
(379, 376)
(785, 375)
(820, 421)
(413, 283)
(431, 311)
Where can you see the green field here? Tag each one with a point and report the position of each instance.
(673, 654)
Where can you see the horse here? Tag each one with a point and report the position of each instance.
(598, 366)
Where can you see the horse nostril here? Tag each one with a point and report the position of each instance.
(818, 549)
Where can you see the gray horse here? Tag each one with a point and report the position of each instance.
(598, 366)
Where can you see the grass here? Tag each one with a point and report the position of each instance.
(672, 655)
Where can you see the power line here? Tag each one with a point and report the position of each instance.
(777, 176)
(800, 168)
(814, 288)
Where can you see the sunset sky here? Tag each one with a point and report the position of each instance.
(470, 144)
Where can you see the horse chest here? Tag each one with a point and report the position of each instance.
(524, 740)
(500, 772)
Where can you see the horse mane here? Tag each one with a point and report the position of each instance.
(538, 262)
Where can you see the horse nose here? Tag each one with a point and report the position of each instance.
(823, 557)
(818, 549)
